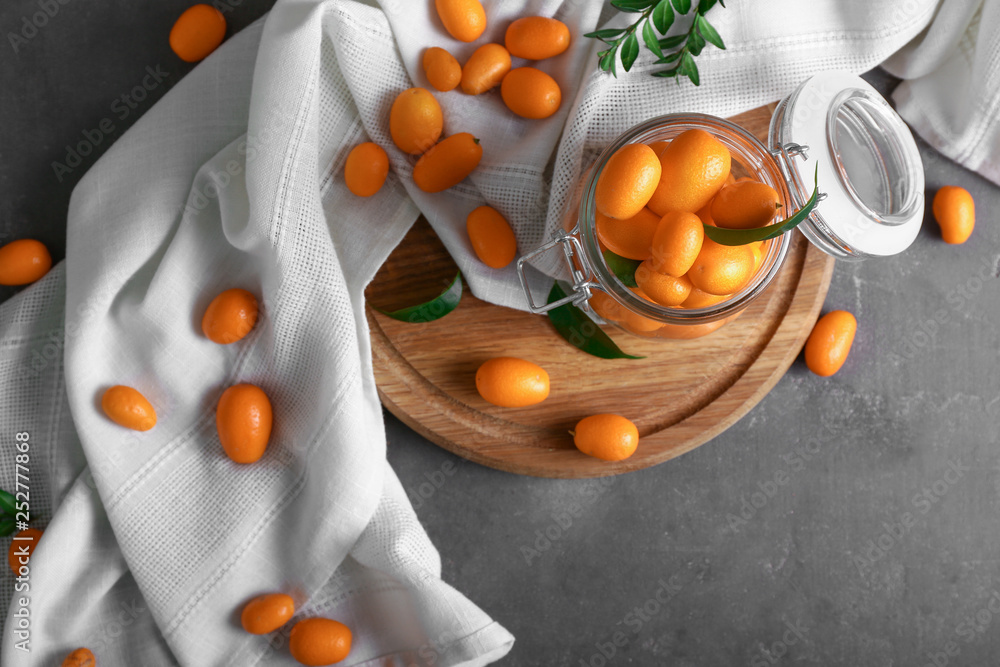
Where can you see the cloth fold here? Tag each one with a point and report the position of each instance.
(234, 179)
(225, 183)
(950, 92)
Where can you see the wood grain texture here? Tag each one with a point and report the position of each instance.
(684, 393)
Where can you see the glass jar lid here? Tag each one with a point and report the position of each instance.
(869, 165)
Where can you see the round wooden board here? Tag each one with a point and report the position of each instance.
(681, 395)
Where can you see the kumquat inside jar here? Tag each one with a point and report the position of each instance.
(639, 249)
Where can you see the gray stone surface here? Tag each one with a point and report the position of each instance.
(823, 528)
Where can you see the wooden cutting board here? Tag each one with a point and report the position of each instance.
(684, 393)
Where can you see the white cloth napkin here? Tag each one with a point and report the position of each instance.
(154, 566)
(951, 91)
(155, 540)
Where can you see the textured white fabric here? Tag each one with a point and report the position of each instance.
(155, 540)
(951, 91)
(227, 182)
(772, 45)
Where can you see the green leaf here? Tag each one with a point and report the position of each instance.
(649, 37)
(630, 51)
(609, 63)
(669, 58)
(623, 267)
(633, 6)
(693, 75)
(688, 68)
(658, 16)
(663, 16)
(666, 73)
(607, 59)
(744, 236)
(695, 42)
(580, 331)
(434, 309)
(6, 526)
(708, 32)
(607, 33)
(672, 42)
(8, 504)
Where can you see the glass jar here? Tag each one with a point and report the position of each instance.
(869, 170)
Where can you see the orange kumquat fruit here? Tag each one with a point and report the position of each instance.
(631, 238)
(266, 613)
(415, 121)
(690, 331)
(606, 436)
(658, 147)
(243, 418)
(441, 69)
(230, 316)
(830, 342)
(605, 306)
(199, 31)
(465, 20)
(491, 236)
(447, 163)
(366, 169)
(319, 641)
(721, 269)
(127, 407)
(485, 69)
(512, 383)
(536, 38)
(955, 212)
(694, 167)
(635, 322)
(81, 657)
(699, 299)
(677, 242)
(23, 261)
(627, 181)
(663, 289)
(530, 93)
(745, 205)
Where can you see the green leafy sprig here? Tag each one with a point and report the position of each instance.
(656, 18)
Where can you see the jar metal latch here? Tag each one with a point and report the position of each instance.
(573, 254)
(783, 155)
